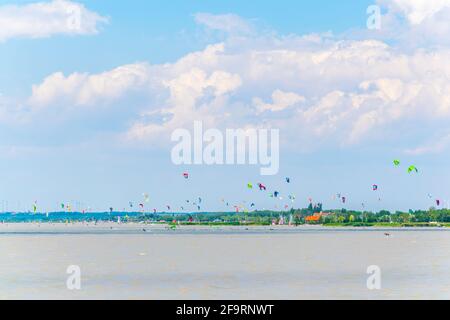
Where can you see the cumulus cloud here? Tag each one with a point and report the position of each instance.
(280, 101)
(86, 89)
(416, 11)
(44, 19)
(415, 22)
(335, 93)
(183, 105)
(319, 90)
(365, 87)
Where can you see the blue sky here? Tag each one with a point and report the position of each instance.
(81, 111)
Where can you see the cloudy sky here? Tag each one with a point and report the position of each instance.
(91, 91)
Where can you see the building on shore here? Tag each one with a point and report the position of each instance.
(316, 218)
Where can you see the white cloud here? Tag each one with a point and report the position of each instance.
(85, 89)
(230, 23)
(183, 106)
(44, 19)
(331, 92)
(280, 101)
(323, 92)
(415, 22)
(416, 11)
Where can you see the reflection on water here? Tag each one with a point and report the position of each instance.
(258, 263)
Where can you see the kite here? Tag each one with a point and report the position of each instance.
(438, 202)
(249, 185)
(186, 175)
(396, 163)
(288, 180)
(412, 169)
(374, 187)
(344, 199)
(262, 187)
(276, 194)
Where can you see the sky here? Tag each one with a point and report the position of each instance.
(91, 91)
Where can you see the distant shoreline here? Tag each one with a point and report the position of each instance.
(236, 225)
(431, 218)
(133, 228)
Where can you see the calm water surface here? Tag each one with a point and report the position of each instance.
(126, 262)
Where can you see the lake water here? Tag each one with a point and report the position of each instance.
(126, 262)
